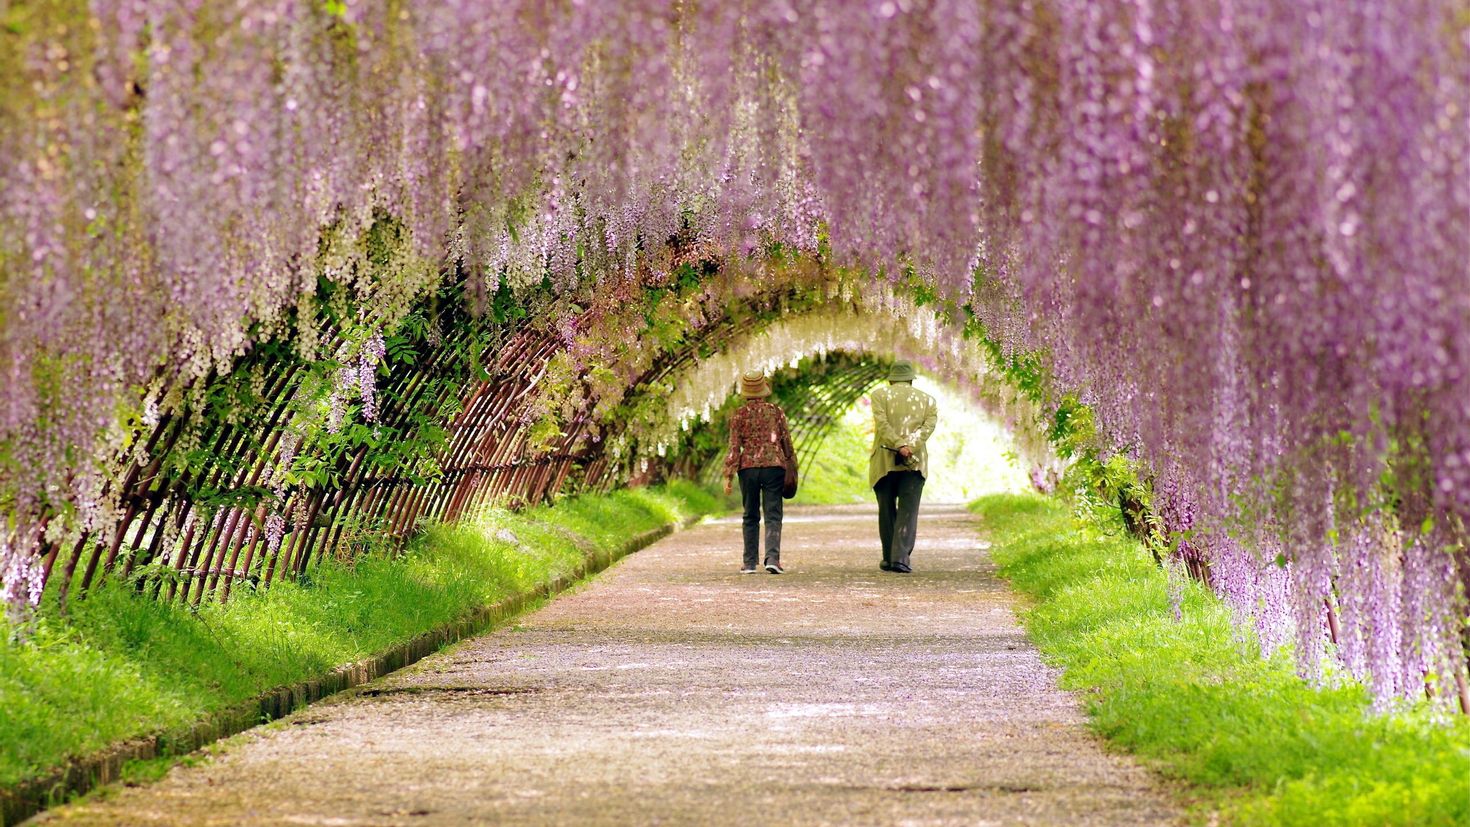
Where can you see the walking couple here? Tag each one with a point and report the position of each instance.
(762, 456)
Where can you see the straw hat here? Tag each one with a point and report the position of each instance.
(753, 385)
(901, 372)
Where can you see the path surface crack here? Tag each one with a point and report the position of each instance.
(454, 691)
(955, 788)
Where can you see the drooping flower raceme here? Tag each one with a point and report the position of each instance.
(1237, 231)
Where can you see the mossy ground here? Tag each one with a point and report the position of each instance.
(1253, 739)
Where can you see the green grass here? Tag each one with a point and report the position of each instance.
(839, 472)
(1255, 741)
(121, 665)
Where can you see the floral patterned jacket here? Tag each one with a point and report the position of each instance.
(759, 437)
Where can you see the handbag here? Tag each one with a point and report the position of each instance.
(788, 488)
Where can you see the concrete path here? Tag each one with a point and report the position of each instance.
(673, 690)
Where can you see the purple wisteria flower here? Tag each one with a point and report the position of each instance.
(1236, 232)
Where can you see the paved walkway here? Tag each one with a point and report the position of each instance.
(674, 690)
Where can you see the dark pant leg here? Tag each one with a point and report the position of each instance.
(910, 485)
(887, 493)
(750, 497)
(772, 481)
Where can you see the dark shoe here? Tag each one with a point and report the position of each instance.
(885, 566)
(775, 568)
(747, 569)
(900, 568)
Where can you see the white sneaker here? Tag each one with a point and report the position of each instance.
(775, 568)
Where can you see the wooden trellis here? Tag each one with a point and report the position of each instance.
(180, 546)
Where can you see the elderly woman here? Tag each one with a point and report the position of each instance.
(760, 447)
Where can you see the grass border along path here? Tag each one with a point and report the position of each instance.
(1253, 740)
(124, 677)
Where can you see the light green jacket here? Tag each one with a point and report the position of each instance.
(902, 415)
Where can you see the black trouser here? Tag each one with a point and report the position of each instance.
(760, 491)
(898, 514)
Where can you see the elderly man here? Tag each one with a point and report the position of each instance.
(903, 420)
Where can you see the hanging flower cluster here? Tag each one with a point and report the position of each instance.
(20, 579)
(1237, 231)
(886, 325)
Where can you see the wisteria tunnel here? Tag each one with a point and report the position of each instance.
(454, 410)
(289, 282)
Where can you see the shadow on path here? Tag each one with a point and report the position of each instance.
(673, 689)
